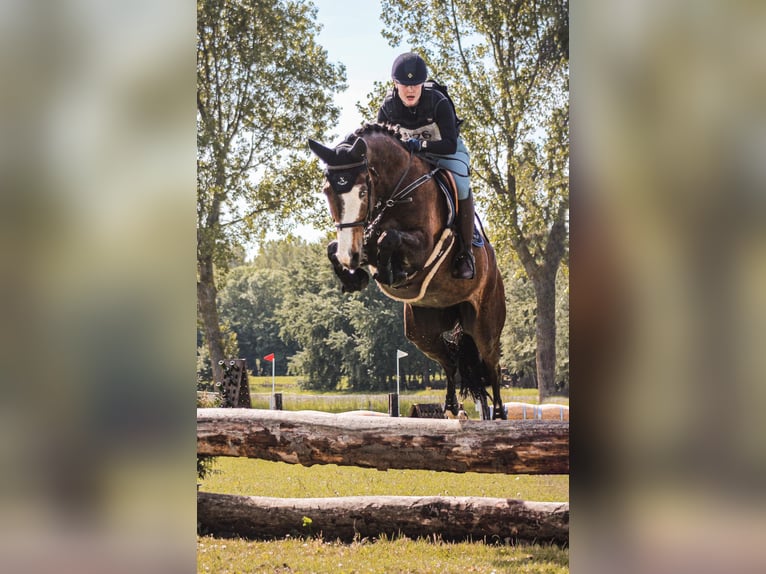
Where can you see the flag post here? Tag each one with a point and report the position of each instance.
(399, 355)
(276, 403)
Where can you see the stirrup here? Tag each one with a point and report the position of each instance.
(465, 257)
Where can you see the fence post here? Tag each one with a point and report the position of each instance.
(393, 404)
(276, 402)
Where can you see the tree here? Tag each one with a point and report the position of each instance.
(312, 316)
(263, 87)
(507, 64)
(248, 303)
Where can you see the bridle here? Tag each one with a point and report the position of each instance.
(353, 168)
(398, 196)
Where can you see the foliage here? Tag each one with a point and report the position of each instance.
(518, 338)
(205, 466)
(263, 87)
(249, 301)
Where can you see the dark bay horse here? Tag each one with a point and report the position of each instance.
(392, 218)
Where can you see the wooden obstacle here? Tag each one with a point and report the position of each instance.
(510, 447)
(308, 438)
(347, 518)
(426, 411)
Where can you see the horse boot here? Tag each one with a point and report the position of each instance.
(463, 264)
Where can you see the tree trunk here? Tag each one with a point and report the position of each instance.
(347, 518)
(208, 310)
(308, 438)
(545, 334)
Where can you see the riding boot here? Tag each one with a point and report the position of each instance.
(463, 263)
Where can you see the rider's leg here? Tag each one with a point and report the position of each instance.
(457, 163)
(463, 263)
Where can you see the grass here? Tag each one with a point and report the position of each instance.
(294, 398)
(383, 556)
(263, 478)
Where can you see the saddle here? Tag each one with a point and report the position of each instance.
(446, 183)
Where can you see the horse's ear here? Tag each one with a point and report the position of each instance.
(324, 153)
(358, 150)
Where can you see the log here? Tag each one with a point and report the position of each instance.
(350, 518)
(308, 438)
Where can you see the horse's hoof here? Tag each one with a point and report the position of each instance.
(332, 250)
(399, 280)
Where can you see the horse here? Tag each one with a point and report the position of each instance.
(393, 218)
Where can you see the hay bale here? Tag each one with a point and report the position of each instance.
(528, 411)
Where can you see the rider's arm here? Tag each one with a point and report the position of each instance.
(445, 119)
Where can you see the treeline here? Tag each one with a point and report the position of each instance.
(287, 301)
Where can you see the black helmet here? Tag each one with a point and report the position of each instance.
(409, 69)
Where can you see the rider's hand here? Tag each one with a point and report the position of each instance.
(413, 144)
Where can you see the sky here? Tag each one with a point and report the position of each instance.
(351, 35)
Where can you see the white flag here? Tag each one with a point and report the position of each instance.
(400, 354)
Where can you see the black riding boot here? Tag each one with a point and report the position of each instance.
(463, 264)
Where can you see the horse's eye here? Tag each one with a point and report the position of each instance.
(362, 193)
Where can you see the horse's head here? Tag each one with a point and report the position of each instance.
(347, 187)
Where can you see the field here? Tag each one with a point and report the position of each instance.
(293, 398)
(314, 554)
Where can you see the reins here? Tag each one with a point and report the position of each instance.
(398, 196)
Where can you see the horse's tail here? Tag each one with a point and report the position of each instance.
(473, 374)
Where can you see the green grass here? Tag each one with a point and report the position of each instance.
(294, 398)
(218, 556)
(263, 478)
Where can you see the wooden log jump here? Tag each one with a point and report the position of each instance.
(510, 447)
(346, 518)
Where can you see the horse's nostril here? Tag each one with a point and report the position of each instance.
(354, 260)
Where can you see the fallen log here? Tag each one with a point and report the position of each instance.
(353, 518)
(510, 447)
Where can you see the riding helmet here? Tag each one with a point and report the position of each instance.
(409, 69)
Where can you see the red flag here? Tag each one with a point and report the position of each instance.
(269, 357)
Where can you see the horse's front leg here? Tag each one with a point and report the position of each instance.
(389, 259)
(400, 253)
(351, 281)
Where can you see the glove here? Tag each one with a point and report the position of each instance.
(413, 144)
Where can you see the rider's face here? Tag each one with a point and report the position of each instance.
(410, 95)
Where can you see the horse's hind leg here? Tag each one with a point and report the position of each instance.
(424, 327)
(485, 328)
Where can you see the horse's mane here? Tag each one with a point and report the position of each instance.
(374, 128)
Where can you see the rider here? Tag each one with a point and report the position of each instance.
(428, 122)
